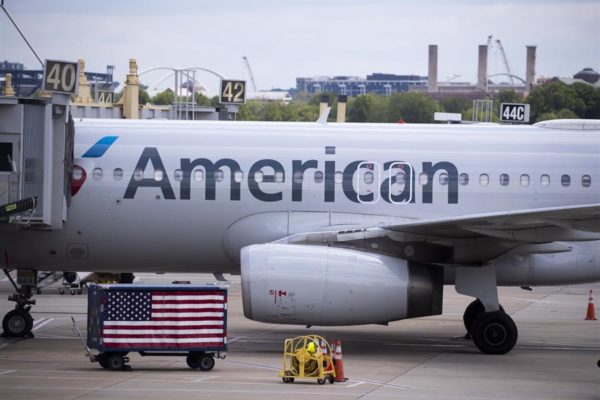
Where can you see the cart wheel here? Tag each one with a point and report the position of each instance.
(287, 380)
(80, 291)
(206, 363)
(38, 291)
(331, 379)
(103, 360)
(61, 291)
(321, 381)
(115, 362)
(72, 292)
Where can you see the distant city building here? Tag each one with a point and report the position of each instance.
(26, 82)
(378, 83)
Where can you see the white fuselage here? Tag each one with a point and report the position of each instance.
(170, 220)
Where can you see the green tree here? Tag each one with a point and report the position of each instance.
(552, 97)
(589, 104)
(143, 97)
(411, 107)
(164, 98)
(455, 104)
(508, 96)
(202, 100)
(360, 108)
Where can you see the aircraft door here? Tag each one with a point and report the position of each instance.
(10, 157)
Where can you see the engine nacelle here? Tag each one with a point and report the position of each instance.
(317, 285)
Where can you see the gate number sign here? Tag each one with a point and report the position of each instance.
(61, 76)
(232, 92)
(514, 112)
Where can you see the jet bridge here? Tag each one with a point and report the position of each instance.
(36, 160)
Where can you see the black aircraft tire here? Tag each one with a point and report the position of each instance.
(473, 310)
(17, 323)
(494, 333)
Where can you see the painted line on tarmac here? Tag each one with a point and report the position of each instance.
(358, 383)
(253, 365)
(10, 371)
(41, 322)
(391, 385)
(200, 380)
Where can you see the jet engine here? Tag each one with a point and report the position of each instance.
(318, 285)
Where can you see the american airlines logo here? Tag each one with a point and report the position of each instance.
(396, 183)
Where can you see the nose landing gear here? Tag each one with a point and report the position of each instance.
(19, 322)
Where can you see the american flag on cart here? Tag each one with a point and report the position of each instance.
(159, 319)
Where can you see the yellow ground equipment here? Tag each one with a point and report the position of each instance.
(307, 357)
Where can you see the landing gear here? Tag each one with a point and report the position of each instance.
(18, 322)
(474, 310)
(494, 332)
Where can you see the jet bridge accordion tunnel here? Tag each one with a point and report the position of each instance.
(36, 161)
(331, 286)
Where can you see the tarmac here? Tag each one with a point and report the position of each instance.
(427, 358)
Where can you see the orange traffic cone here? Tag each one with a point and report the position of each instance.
(339, 364)
(591, 311)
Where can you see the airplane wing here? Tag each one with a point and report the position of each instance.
(469, 239)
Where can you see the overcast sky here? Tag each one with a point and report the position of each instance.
(285, 39)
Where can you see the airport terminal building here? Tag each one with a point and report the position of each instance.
(378, 83)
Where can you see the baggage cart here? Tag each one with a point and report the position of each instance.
(166, 320)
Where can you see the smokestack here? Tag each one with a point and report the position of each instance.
(324, 104)
(530, 68)
(482, 72)
(341, 108)
(432, 83)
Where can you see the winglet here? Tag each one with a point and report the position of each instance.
(324, 115)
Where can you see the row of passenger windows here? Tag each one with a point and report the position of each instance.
(318, 176)
(504, 179)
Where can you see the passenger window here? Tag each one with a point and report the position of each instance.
(158, 175)
(219, 175)
(259, 176)
(278, 176)
(238, 176)
(369, 177)
(77, 173)
(138, 174)
(423, 179)
(565, 180)
(504, 179)
(298, 177)
(463, 179)
(484, 179)
(178, 175)
(400, 177)
(117, 174)
(443, 178)
(524, 180)
(545, 180)
(318, 176)
(339, 177)
(198, 175)
(98, 173)
(586, 181)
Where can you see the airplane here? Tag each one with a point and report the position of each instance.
(331, 224)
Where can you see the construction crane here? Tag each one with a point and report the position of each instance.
(250, 73)
(505, 60)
